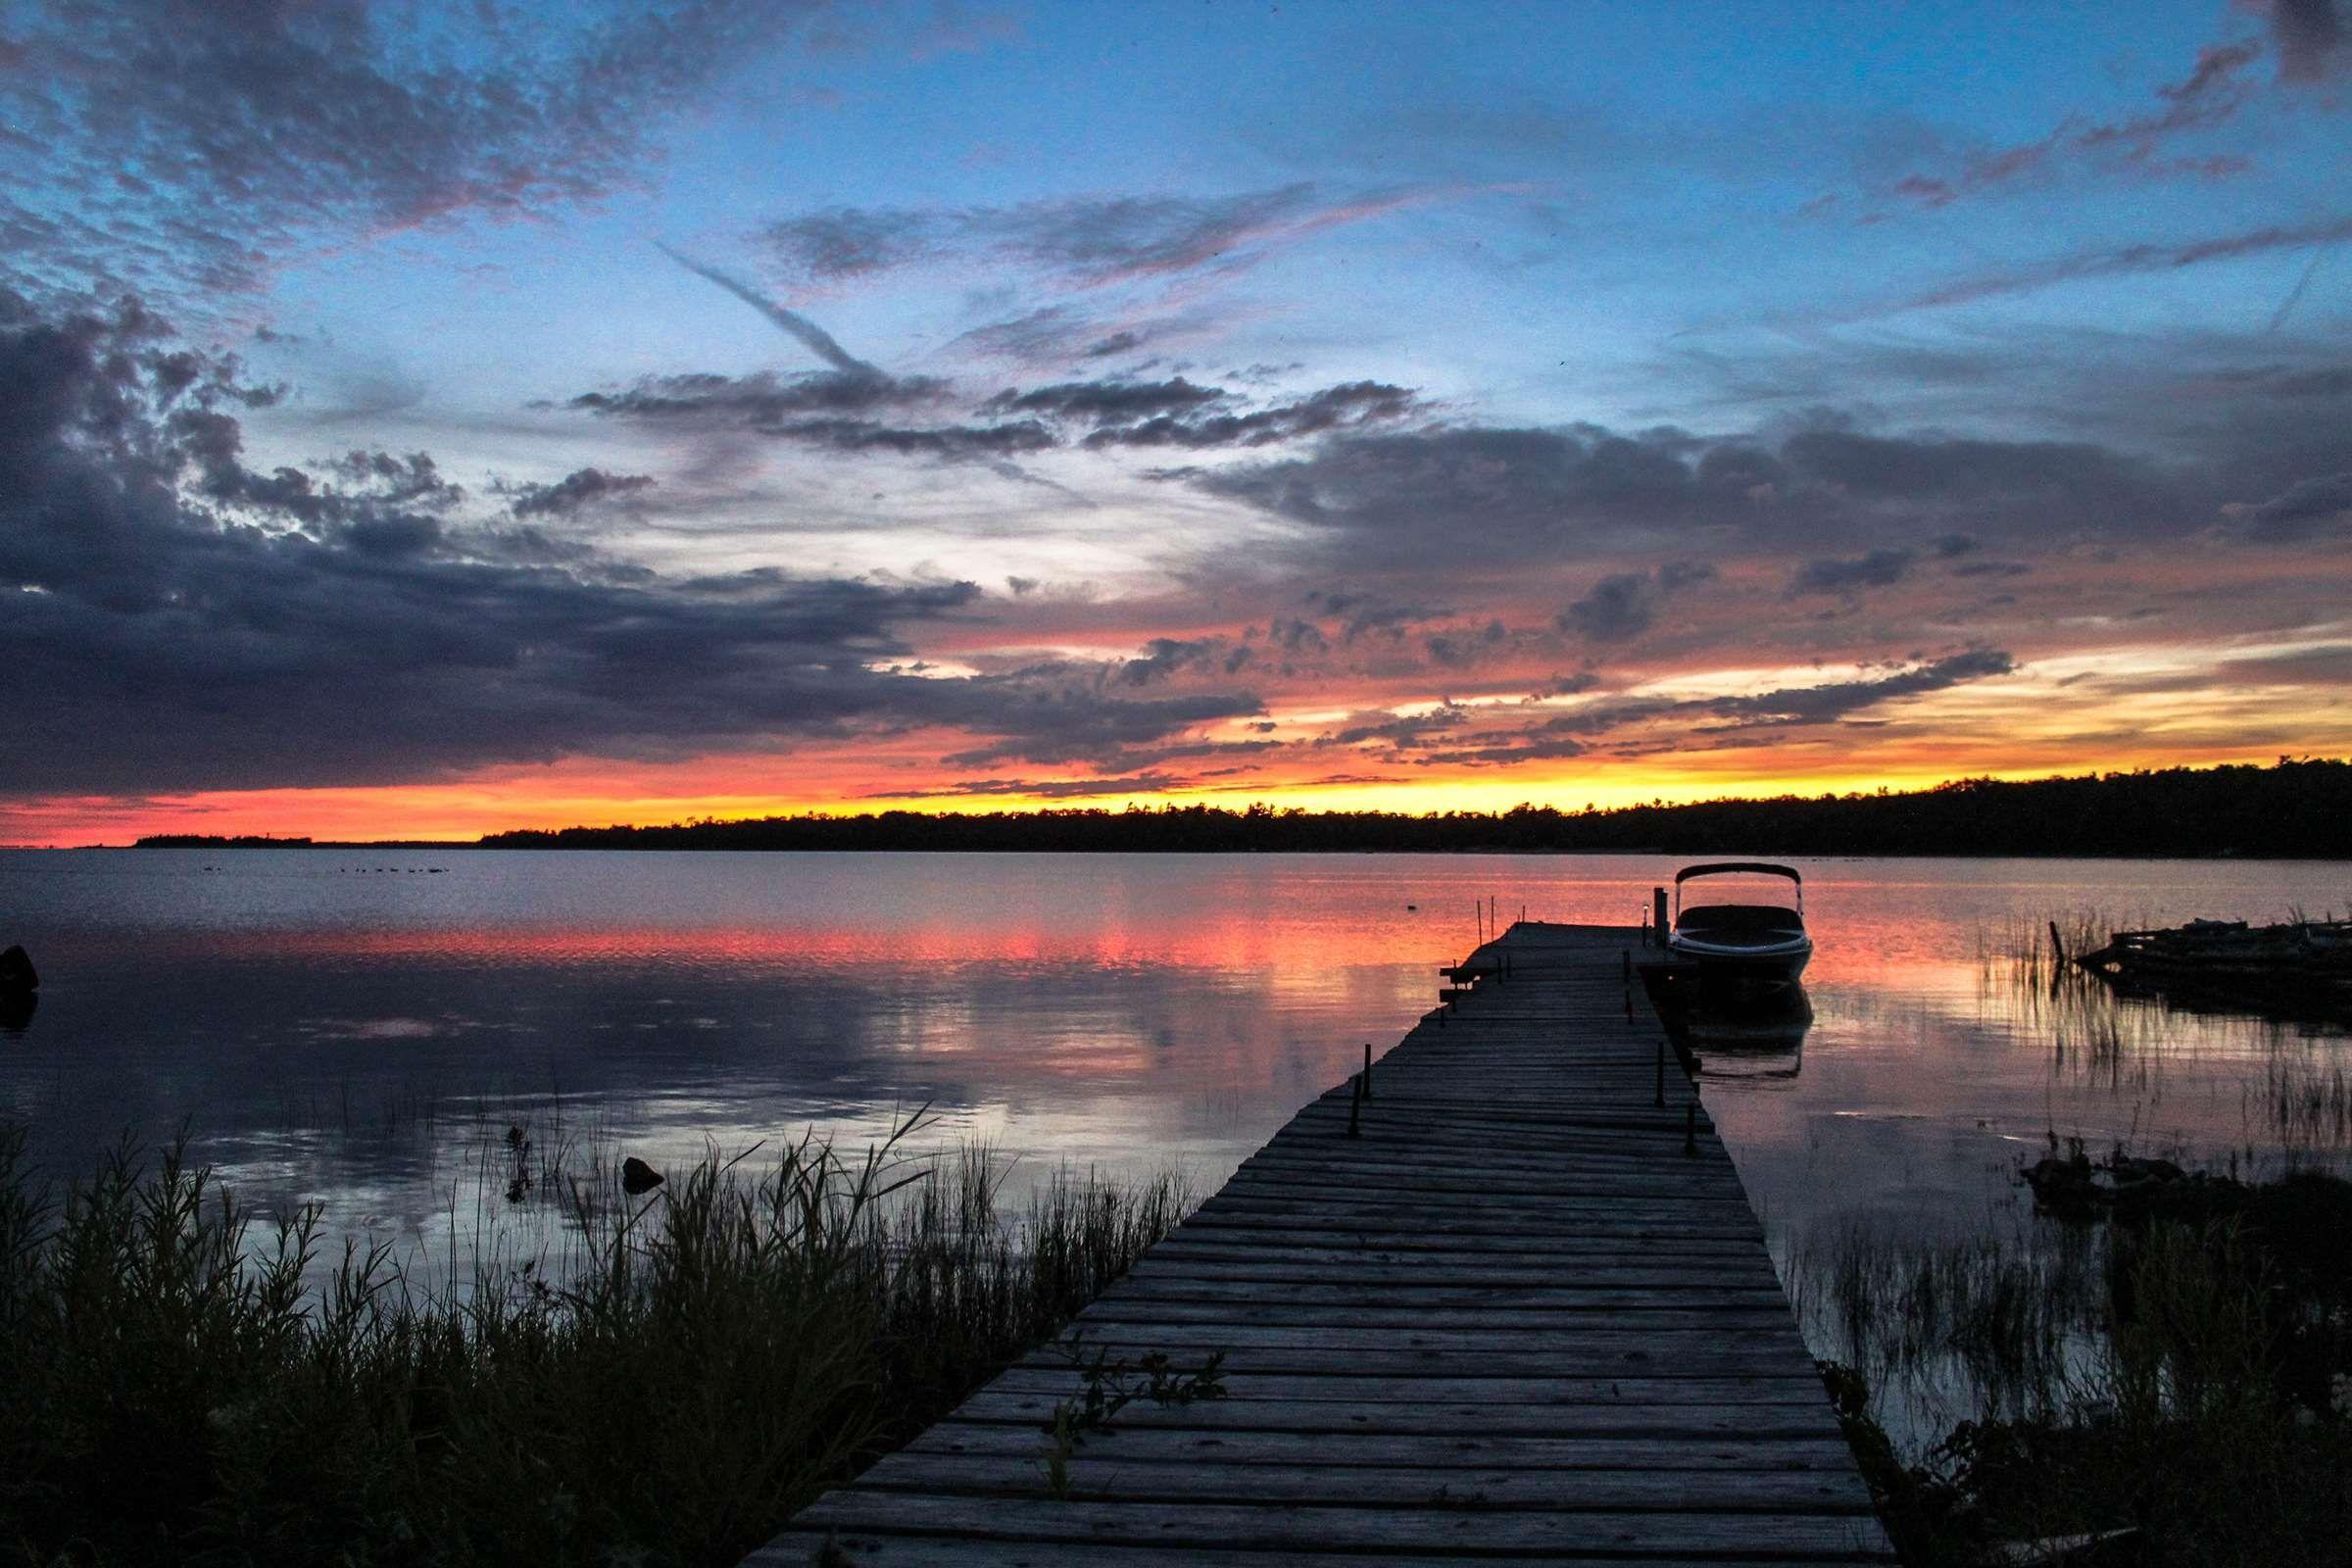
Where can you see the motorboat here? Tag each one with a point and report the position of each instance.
(1755, 946)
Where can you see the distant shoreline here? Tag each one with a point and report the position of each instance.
(2294, 809)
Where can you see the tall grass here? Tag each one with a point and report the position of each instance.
(2180, 1380)
(708, 1358)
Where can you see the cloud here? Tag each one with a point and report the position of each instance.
(1623, 604)
(2211, 94)
(1081, 242)
(813, 337)
(2305, 510)
(1109, 402)
(828, 409)
(180, 620)
(1163, 656)
(1844, 576)
(1352, 405)
(1043, 789)
(2309, 38)
(2122, 261)
(187, 145)
(1718, 721)
(576, 491)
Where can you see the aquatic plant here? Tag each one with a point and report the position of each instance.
(714, 1356)
(2184, 1380)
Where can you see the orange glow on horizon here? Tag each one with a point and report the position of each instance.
(590, 793)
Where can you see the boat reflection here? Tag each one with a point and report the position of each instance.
(1732, 1034)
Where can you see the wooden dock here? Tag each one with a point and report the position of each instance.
(1524, 1311)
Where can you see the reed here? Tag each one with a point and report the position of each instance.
(707, 1361)
(2186, 1383)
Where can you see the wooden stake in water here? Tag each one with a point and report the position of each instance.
(1355, 1106)
(1368, 1069)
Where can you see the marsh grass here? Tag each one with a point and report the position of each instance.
(1969, 1324)
(2180, 1377)
(173, 1388)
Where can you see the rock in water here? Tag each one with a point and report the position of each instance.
(637, 1177)
(18, 977)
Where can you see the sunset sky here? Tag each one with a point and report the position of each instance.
(419, 421)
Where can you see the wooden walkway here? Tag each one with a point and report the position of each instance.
(1525, 1314)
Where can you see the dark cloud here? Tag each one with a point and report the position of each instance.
(1353, 406)
(1400, 732)
(825, 409)
(2212, 93)
(1850, 573)
(2309, 37)
(1109, 402)
(2125, 261)
(1459, 650)
(180, 621)
(1043, 789)
(1718, 721)
(575, 491)
(1820, 704)
(1446, 497)
(760, 402)
(1369, 614)
(1061, 722)
(2303, 510)
(822, 409)
(1385, 499)
(1163, 656)
(1623, 604)
(1877, 466)
(1086, 242)
(186, 144)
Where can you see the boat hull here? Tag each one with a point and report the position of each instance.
(1732, 967)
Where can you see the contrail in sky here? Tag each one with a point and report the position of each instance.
(819, 342)
(2294, 296)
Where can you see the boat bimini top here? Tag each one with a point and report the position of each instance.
(1767, 939)
(1726, 867)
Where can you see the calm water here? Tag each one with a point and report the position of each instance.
(359, 1028)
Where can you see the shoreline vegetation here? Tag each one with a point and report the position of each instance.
(710, 1357)
(2296, 809)
(2153, 1367)
(2172, 1385)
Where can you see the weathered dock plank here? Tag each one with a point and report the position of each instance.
(1523, 1310)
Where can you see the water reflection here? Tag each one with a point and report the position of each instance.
(365, 1040)
(1760, 1036)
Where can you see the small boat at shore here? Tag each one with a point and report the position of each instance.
(1754, 946)
(2298, 960)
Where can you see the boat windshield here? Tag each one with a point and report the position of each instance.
(1743, 897)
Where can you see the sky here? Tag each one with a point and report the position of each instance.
(417, 421)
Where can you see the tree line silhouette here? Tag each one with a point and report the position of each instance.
(2294, 809)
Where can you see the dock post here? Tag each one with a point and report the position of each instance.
(1368, 1069)
(1689, 1131)
(1657, 916)
(1356, 1106)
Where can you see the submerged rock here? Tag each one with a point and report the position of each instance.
(637, 1177)
(17, 978)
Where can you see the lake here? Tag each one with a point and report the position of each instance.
(359, 1028)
